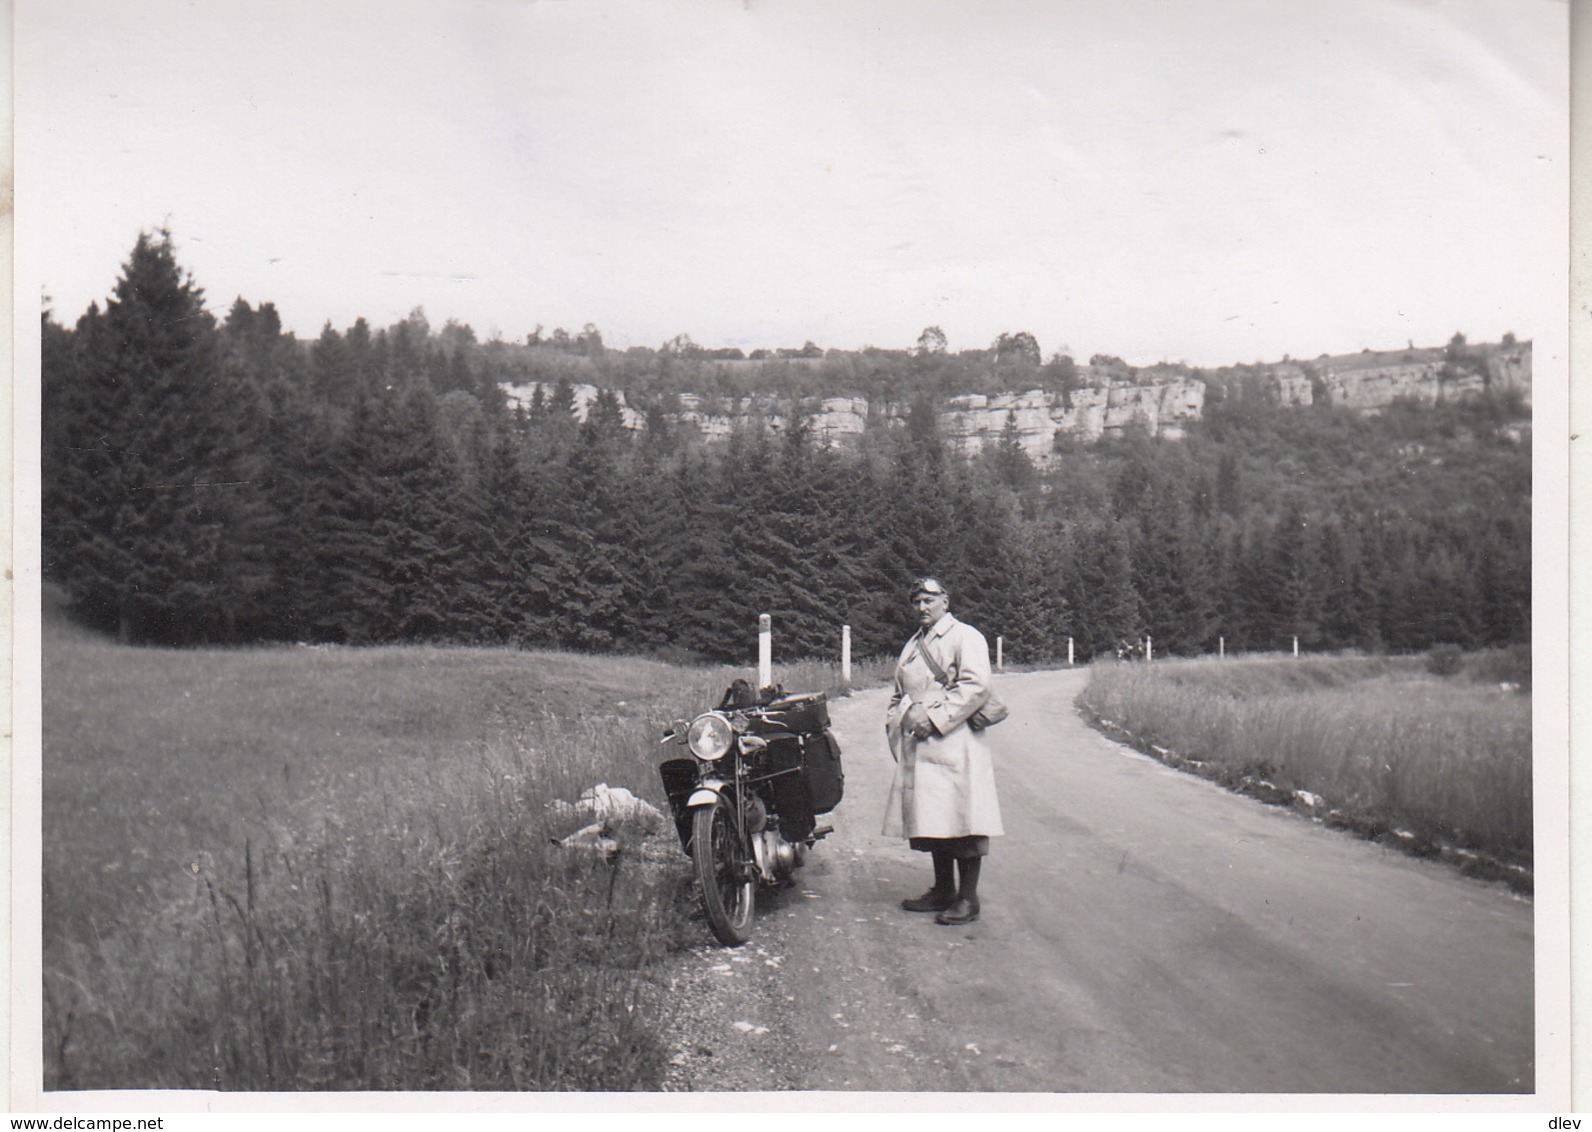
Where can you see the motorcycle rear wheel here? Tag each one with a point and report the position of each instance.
(724, 871)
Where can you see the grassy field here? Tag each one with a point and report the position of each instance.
(1386, 746)
(306, 868)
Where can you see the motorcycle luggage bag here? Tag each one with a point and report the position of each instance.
(826, 781)
(804, 713)
(787, 787)
(680, 780)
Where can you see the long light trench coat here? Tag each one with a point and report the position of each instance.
(944, 785)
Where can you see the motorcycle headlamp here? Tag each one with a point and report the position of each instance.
(710, 736)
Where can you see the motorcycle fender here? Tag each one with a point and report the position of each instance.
(704, 795)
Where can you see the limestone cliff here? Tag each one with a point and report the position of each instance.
(1372, 381)
(1160, 402)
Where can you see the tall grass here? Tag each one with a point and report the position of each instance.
(332, 868)
(1379, 744)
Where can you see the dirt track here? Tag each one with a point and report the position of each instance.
(1143, 931)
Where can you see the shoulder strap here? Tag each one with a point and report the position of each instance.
(934, 665)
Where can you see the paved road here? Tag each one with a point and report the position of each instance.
(1143, 931)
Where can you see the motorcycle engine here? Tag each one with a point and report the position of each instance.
(776, 857)
(756, 813)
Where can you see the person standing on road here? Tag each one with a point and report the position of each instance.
(943, 796)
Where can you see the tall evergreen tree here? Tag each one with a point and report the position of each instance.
(1172, 569)
(1103, 594)
(73, 428)
(1012, 465)
(352, 593)
(602, 606)
(1501, 565)
(696, 551)
(419, 524)
(209, 483)
(500, 548)
(146, 543)
(1298, 577)
(272, 406)
(1347, 600)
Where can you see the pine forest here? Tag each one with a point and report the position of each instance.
(218, 481)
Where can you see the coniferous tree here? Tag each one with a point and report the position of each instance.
(419, 524)
(148, 541)
(1013, 467)
(979, 557)
(332, 375)
(301, 444)
(916, 526)
(1501, 565)
(367, 358)
(1049, 610)
(653, 514)
(1100, 589)
(696, 553)
(211, 483)
(603, 607)
(757, 553)
(353, 594)
(1442, 607)
(500, 548)
(1227, 485)
(1172, 571)
(805, 560)
(267, 375)
(883, 560)
(1256, 602)
(73, 429)
(1347, 599)
(1298, 578)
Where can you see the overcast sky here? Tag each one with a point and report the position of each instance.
(1201, 180)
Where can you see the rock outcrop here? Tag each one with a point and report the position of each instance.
(1037, 417)
(1105, 405)
(1369, 382)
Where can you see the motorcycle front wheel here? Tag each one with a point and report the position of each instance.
(724, 871)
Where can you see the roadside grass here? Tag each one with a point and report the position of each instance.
(1380, 745)
(332, 869)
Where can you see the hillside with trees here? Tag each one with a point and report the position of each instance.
(217, 480)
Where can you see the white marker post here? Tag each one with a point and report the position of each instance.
(765, 650)
(1149, 649)
(845, 655)
(1221, 648)
(1296, 646)
(1000, 650)
(1069, 652)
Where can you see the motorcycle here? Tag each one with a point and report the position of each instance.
(764, 767)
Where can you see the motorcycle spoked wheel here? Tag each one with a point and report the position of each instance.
(724, 871)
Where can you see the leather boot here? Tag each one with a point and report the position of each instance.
(943, 894)
(934, 900)
(964, 910)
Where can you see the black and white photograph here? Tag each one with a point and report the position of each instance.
(921, 556)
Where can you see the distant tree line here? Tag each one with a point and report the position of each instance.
(214, 481)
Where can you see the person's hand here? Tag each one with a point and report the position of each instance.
(917, 722)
